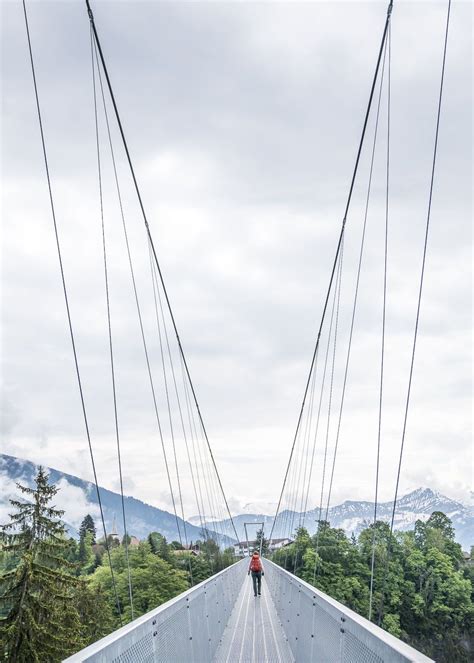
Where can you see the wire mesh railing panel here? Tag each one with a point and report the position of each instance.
(322, 630)
(355, 650)
(326, 635)
(143, 650)
(173, 637)
(316, 628)
(187, 628)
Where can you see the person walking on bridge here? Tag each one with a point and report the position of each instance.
(256, 568)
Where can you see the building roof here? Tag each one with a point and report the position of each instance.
(270, 542)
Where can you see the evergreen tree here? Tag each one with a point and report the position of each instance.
(94, 611)
(427, 588)
(160, 547)
(86, 556)
(87, 525)
(41, 621)
(261, 542)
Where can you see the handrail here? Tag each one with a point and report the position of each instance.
(319, 628)
(191, 626)
(194, 620)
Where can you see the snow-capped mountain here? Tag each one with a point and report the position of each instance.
(263, 508)
(78, 497)
(354, 516)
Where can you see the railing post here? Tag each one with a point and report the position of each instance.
(190, 628)
(154, 628)
(206, 612)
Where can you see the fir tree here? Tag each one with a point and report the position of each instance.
(41, 622)
(94, 610)
(87, 525)
(262, 542)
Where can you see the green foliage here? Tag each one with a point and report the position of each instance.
(153, 580)
(261, 542)
(426, 588)
(40, 621)
(86, 556)
(47, 613)
(160, 547)
(94, 611)
(87, 525)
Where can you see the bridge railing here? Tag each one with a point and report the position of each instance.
(320, 629)
(190, 627)
(187, 628)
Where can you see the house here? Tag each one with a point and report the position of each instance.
(273, 544)
(194, 548)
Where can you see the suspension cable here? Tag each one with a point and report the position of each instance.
(356, 290)
(173, 442)
(178, 400)
(308, 431)
(337, 299)
(68, 311)
(326, 358)
(420, 292)
(307, 481)
(328, 347)
(137, 302)
(155, 257)
(109, 327)
(348, 202)
(382, 352)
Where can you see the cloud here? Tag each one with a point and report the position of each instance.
(243, 122)
(72, 500)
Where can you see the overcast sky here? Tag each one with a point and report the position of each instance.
(243, 121)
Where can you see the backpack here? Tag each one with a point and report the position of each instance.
(256, 564)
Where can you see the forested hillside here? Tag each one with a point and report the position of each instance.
(422, 584)
(59, 594)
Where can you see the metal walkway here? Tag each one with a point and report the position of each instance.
(221, 621)
(254, 633)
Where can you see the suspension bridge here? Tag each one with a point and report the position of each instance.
(220, 619)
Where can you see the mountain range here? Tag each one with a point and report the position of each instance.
(78, 497)
(354, 516)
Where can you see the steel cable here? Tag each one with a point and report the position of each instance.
(137, 301)
(176, 390)
(415, 333)
(356, 290)
(109, 327)
(335, 309)
(155, 257)
(68, 311)
(344, 220)
(173, 442)
(382, 357)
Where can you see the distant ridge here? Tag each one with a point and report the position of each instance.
(78, 497)
(354, 516)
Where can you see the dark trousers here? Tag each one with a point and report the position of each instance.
(257, 580)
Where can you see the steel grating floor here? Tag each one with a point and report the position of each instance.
(253, 633)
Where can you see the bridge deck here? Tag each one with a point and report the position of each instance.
(254, 633)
